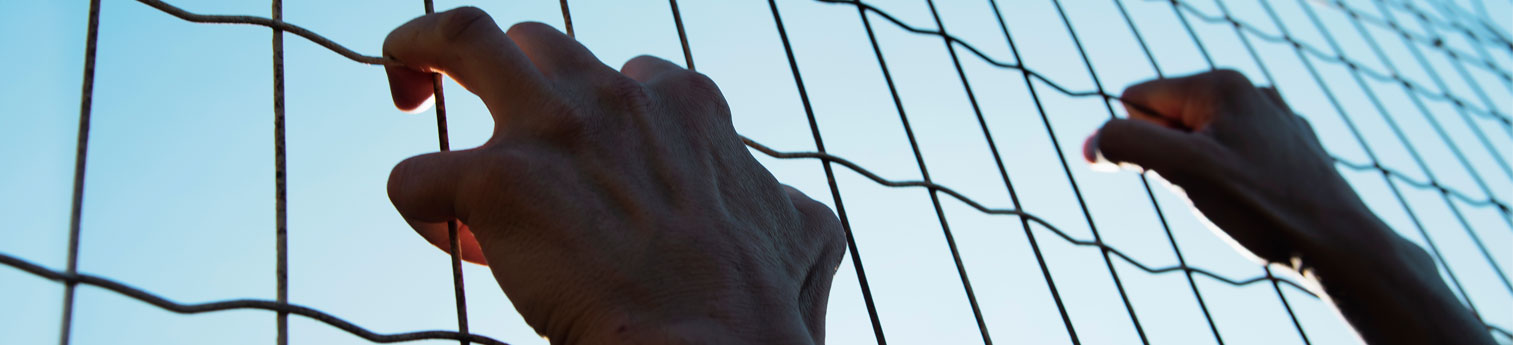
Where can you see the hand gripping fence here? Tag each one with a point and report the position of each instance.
(1479, 31)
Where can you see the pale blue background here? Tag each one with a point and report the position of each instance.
(179, 194)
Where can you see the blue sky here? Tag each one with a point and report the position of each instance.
(179, 189)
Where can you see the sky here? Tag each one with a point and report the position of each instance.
(178, 198)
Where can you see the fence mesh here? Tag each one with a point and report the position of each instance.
(1486, 39)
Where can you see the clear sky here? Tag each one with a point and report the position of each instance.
(179, 191)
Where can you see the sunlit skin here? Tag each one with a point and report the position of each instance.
(620, 207)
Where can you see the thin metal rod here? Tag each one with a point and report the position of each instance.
(1381, 111)
(280, 185)
(924, 171)
(1081, 201)
(70, 279)
(567, 19)
(677, 19)
(1451, 144)
(1170, 238)
(81, 153)
(279, 24)
(1045, 270)
(1297, 325)
(454, 240)
(1504, 119)
(835, 191)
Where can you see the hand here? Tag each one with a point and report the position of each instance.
(1257, 172)
(612, 207)
(1244, 160)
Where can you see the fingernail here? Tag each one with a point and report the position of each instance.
(1090, 148)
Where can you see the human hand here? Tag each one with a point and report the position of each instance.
(612, 207)
(1257, 172)
(1244, 160)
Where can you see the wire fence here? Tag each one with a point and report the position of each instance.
(1486, 40)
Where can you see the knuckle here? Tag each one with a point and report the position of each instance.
(701, 92)
(528, 29)
(1229, 80)
(628, 92)
(463, 23)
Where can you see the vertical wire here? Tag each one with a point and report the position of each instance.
(1461, 110)
(940, 214)
(835, 191)
(1203, 306)
(1045, 270)
(280, 185)
(1470, 81)
(1418, 103)
(453, 240)
(1376, 162)
(987, 136)
(1088, 63)
(568, 18)
(677, 19)
(1434, 75)
(86, 104)
(1208, 58)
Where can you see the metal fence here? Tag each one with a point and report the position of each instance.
(1455, 20)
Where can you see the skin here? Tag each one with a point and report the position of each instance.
(620, 207)
(612, 207)
(1257, 172)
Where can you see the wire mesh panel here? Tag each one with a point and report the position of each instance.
(945, 134)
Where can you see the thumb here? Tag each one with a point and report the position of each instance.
(1149, 146)
(424, 189)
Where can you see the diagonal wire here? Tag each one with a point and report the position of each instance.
(835, 191)
(71, 279)
(1011, 212)
(1382, 111)
(1438, 129)
(825, 157)
(1443, 96)
(753, 144)
(1386, 23)
(373, 60)
(86, 105)
(1489, 201)
(1149, 57)
(924, 171)
(1207, 58)
(454, 240)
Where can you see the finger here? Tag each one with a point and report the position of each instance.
(466, 45)
(1188, 103)
(553, 53)
(1275, 97)
(644, 68)
(425, 190)
(1150, 146)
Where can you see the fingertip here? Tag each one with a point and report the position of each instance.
(1090, 147)
(413, 91)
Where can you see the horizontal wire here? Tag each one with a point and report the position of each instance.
(358, 57)
(1005, 211)
(1442, 96)
(164, 303)
(857, 168)
(401, 337)
(1498, 37)
(1383, 22)
(276, 24)
(1488, 202)
(1374, 74)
